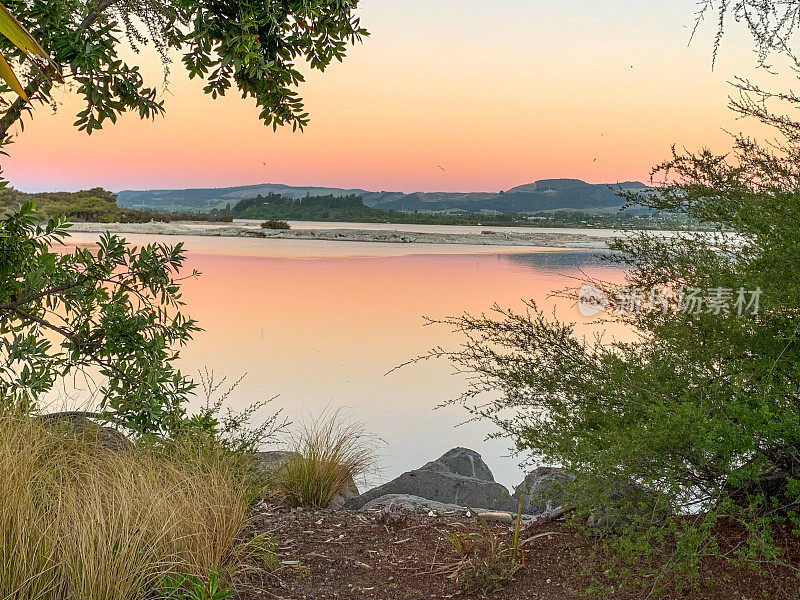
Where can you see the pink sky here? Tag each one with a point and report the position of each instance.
(498, 94)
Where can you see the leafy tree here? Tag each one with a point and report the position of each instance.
(252, 45)
(113, 310)
(116, 309)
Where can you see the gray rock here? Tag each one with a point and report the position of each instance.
(542, 490)
(461, 461)
(272, 461)
(497, 517)
(391, 503)
(81, 424)
(347, 493)
(624, 505)
(459, 476)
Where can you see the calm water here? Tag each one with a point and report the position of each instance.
(320, 324)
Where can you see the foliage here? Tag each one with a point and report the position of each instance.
(95, 205)
(191, 587)
(702, 407)
(331, 453)
(78, 521)
(248, 45)
(486, 561)
(233, 430)
(113, 307)
(263, 548)
(19, 36)
(351, 208)
(275, 224)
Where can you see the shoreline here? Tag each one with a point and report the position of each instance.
(486, 238)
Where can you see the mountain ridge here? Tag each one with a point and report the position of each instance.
(542, 195)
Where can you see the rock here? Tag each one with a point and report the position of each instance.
(391, 503)
(272, 461)
(542, 490)
(461, 461)
(459, 476)
(621, 507)
(496, 517)
(349, 492)
(81, 424)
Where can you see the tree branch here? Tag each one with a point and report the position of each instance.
(49, 291)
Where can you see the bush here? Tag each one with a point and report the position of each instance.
(275, 224)
(113, 306)
(78, 521)
(331, 452)
(701, 410)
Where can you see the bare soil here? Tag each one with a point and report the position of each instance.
(347, 555)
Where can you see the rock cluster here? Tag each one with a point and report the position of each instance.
(459, 479)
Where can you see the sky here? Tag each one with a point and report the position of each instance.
(497, 93)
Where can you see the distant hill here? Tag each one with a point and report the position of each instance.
(545, 195)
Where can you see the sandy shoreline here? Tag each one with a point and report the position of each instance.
(487, 238)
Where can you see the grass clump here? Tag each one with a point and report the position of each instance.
(485, 560)
(79, 521)
(330, 453)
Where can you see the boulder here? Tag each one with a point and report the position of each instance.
(461, 461)
(542, 490)
(458, 477)
(497, 517)
(81, 424)
(271, 462)
(349, 492)
(393, 503)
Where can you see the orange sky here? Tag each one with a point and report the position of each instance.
(497, 93)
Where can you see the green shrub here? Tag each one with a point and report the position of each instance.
(275, 224)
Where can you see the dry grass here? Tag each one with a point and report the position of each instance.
(80, 522)
(331, 453)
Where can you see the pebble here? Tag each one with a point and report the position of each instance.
(496, 517)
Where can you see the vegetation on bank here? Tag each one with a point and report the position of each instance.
(351, 209)
(92, 206)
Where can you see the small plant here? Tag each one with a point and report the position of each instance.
(191, 587)
(263, 549)
(331, 452)
(275, 224)
(486, 561)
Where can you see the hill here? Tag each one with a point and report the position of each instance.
(545, 195)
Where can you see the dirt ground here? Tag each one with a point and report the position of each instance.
(348, 555)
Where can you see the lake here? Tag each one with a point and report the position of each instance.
(322, 324)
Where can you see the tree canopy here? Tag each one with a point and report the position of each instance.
(250, 45)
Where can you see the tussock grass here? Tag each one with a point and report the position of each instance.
(331, 452)
(80, 522)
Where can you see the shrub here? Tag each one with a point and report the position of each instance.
(331, 452)
(275, 224)
(113, 306)
(701, 409)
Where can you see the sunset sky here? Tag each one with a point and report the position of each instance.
(498, 93)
